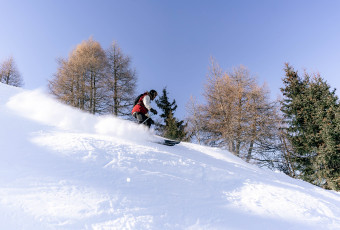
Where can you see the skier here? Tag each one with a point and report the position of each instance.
(143, 106)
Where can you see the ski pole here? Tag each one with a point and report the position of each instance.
(145, 120)
(149, 117)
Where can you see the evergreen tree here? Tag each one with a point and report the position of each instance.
(310, 110)
(291, 108)
(327, 161)
(172, 128)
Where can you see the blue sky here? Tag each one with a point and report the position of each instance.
(171, 42)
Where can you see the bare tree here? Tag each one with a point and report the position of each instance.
(9, 73)
(80, 80)
(121, 82)
(238, 115)
(226, 109)
(287, 153)
(194, 120)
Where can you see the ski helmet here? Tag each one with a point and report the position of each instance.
(153, 93)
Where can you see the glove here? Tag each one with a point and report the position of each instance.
(153, 111)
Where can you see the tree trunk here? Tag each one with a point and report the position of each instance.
(250, 150)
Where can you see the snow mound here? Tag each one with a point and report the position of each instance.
(43, 108)
(61, 168)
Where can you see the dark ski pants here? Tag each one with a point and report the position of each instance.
(142, 119)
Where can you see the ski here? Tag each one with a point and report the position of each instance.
(164, 141)
(170, 142)
(167, 142)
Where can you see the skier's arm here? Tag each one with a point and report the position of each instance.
(147, 103)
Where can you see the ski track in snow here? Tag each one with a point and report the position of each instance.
(63, 169)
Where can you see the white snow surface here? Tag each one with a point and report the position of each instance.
(61, 168)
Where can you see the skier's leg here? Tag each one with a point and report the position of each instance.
(139, 117)
(142, 119)
(149, 122)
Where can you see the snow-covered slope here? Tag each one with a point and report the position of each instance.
(64, 169)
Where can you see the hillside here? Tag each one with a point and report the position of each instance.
(61, 168)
